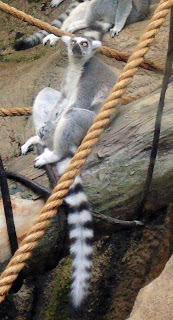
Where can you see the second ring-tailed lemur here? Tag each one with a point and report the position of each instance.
(61, 120)
(104, 14)
(110, 13)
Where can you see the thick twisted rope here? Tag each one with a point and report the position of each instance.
(124, 56)
(107, 51)
(101, 121)
(26, 111)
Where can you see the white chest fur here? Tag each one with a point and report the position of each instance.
(72, 80)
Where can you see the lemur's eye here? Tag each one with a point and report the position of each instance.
(85, 44)
(73, 42)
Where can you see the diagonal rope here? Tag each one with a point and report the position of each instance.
(124, 56)
(107, 51)
(101, 121)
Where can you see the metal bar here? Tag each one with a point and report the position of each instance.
(8, 209)
(154, 149)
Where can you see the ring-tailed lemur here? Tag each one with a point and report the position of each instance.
(114, 13)
(101, 13)
(61, 121)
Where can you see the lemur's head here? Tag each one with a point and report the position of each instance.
(81, 47)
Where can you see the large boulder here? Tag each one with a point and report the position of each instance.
(155, 300)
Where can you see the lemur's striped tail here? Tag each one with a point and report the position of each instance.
(97, 30)
(31, 41)
(63, 16)
(37, 37)
(81, 237)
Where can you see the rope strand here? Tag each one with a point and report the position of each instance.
(24, 111)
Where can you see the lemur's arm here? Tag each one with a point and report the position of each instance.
(123, 10)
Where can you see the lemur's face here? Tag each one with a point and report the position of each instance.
(81, 46)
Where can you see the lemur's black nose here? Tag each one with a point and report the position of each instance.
(76, 48)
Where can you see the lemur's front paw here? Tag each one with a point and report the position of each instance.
(24, 149)
(114, 31)
(45, 130)
(52, 38)
(55, 3)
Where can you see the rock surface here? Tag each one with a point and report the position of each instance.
(118, 164)
(155, 300)
(25, 214)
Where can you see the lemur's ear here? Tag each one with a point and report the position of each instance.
(66, 39)
(96, 44)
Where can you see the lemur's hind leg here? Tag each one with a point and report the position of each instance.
(71, 129)
(44, 103)
(46, 157)
(123, 11)
(79, 19)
